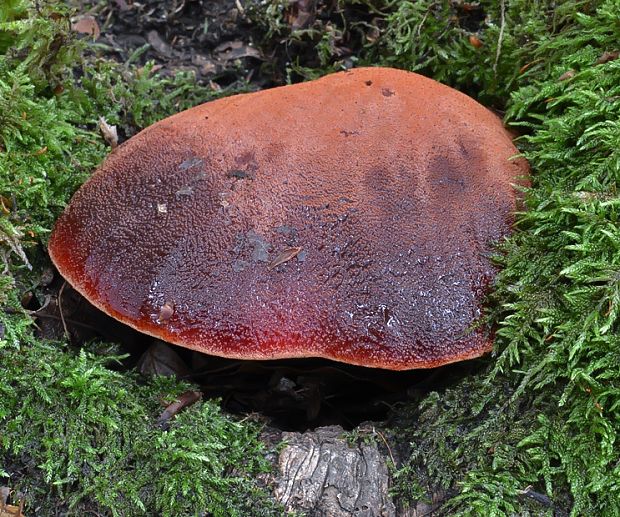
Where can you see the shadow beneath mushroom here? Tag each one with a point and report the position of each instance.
(304, 394)
(291, 395)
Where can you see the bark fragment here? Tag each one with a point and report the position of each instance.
(322, 475)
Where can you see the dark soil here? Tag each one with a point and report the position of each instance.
(231, 42)
(212, 39)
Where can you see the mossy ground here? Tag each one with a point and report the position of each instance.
(544, 414)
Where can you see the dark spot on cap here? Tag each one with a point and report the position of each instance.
(239, 174)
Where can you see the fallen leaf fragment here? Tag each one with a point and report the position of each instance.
(185, 399)
(231, 50)
(122, 5)
(5, 204)
(157, 42)
(109, 133)
(161, 359)
(475, 42)
(374, 33)
(567, 75)
(607, 56)
(86, 25)
(284, 256)
(9, 510)
(5, 491)
(302, 15)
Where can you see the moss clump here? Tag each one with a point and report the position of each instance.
(85, 435)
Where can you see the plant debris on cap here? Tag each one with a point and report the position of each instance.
(349, 218)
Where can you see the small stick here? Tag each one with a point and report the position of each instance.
(501, 34)
(386, 444)
(62, 317)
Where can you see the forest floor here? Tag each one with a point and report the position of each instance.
(87, 422)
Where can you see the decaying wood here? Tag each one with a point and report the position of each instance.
(322, 475)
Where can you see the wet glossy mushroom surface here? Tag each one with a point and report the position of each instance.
(349, 218)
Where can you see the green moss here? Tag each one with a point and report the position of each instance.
(88, 437)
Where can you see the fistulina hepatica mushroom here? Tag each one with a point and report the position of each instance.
(349, 218)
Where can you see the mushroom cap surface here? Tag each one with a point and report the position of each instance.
(349, 218)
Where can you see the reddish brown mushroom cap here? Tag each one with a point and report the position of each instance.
(349, 218)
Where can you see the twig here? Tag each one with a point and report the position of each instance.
(73, 323)
(386, 444)
(501, 34)
(62, 317)
(536, 496)
(184, 400)
(419, 28)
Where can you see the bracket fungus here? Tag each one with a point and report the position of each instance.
(349, 218)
